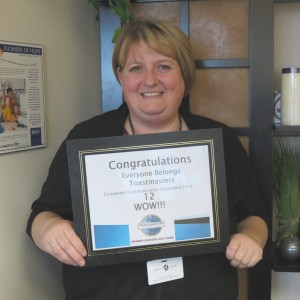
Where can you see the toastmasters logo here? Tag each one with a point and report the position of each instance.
(151, 225)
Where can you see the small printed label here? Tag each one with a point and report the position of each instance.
(162, 270)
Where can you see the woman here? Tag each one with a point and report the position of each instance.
(7, 113)
(154, 64)
(10, 94)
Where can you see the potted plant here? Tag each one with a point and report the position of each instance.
(286, 184)
(121, 8)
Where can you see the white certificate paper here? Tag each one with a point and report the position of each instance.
(149, 197)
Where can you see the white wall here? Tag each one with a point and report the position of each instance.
(69, 33)
(286, 38)
(287, 54)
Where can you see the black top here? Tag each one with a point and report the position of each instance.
(205, 276)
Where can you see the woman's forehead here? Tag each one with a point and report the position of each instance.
(142, 51)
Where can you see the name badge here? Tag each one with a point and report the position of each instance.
(162, 270)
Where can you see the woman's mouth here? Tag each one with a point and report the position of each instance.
(152, 94)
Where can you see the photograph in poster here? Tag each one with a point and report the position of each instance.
(146, 197)
(22, 121)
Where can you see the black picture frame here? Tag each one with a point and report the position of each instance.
(84, 153)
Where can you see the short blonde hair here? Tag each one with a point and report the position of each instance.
(161, 36)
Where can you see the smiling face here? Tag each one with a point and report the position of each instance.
(153, 86)
(7, 101)
(16, 109)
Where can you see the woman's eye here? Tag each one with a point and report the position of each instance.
(135, 69)
(164, 67)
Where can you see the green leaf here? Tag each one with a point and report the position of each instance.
(115, 34)
(286, 186)
(121, 8)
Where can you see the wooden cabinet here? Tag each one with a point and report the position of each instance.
(286, 131)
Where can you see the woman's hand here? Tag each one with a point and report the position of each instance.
(245, 248)
(243, 252)
(56, 236)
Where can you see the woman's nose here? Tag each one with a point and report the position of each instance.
(150, 78)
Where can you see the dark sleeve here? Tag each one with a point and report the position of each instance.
(244, 197)
(55, 195)
(56, 192)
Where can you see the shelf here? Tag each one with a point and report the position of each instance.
(223, 63)
(286, 130)
(141, 1)
(281, 265)
(285, 1)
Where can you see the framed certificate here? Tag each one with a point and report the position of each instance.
(144, 197)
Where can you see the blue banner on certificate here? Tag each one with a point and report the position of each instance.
(144, 197)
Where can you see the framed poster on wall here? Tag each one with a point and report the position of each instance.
(22, 118)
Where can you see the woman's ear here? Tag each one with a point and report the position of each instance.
(120, 75)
